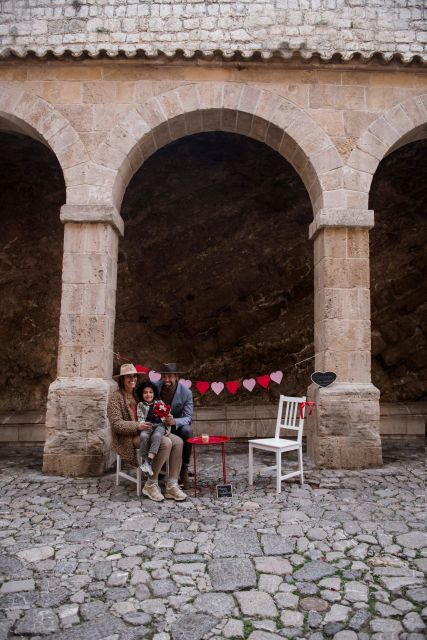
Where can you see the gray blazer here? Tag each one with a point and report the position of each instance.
(182, 404)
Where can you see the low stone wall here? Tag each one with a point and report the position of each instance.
(403, 419)
(22, 427)
(398, 420)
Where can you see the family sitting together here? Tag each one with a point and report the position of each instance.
(156, 419)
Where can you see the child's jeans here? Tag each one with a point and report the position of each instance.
(150, 440)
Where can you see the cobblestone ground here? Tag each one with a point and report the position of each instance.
(341, 557)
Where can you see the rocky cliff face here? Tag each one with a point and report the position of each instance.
(31, 241)
(399, 275)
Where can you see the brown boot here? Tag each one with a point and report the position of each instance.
(184, 480)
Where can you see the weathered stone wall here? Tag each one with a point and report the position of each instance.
(325, 26)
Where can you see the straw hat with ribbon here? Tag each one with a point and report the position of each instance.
(126, 370)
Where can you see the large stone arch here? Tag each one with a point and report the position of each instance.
(26, 113)
(88, 186)
(403, 123)
(230, 107)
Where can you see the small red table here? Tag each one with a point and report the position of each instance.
(212, 440)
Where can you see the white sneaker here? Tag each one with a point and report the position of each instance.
(146, 467)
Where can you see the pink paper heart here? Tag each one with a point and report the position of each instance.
(186, 383)
(249, 384)
(154, 376)
(217, 387)
(277, 376)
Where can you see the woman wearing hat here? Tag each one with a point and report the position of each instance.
(122, 414)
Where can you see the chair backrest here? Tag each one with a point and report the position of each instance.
(290, 415)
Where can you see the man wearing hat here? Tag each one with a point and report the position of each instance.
(180, 399)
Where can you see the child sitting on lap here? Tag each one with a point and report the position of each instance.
(150, 409)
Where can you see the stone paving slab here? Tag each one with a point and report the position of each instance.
(342, 557)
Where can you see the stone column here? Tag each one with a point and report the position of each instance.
(77, 438)
(344, 429)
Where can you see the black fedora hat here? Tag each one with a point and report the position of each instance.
(169, 367)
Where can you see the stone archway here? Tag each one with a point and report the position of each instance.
(33, 116)
(31, 247)
(350, 409)
(403, 123)
(346, 430)
(215, 270)
(392, 132)
(77, 431)
(228, 107)
(41, 147)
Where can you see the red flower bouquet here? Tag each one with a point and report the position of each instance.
(161, 410)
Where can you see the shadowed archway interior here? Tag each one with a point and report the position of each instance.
(398, 274)
(31, 246)
(215, 269)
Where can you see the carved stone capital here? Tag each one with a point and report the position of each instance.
(359, 218)
(106, 214)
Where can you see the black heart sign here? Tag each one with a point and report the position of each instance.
(323, 378)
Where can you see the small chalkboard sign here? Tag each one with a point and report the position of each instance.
(224, 490)
(323, 378)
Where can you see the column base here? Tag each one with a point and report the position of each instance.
(343, 432)
(78, 441)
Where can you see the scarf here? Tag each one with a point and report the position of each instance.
(168, 393)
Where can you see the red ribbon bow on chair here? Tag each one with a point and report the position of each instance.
(302, 406)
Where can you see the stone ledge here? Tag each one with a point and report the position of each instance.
(359, 218)
(397, 420)
(93, 214)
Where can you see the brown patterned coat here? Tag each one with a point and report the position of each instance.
(123, 427)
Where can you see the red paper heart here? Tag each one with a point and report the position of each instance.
(232, 386)
(141, 369)
(263, 381)
(202, 387)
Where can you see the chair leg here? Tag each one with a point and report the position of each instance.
(138, 481)
(300, 465)
(279, 472)
(251, 465)
(118, 469)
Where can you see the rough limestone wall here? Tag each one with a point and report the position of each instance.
(326, 26)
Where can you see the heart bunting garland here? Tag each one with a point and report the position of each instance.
(232, 386)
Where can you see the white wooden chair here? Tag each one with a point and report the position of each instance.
(289, 416)
(136, 478)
